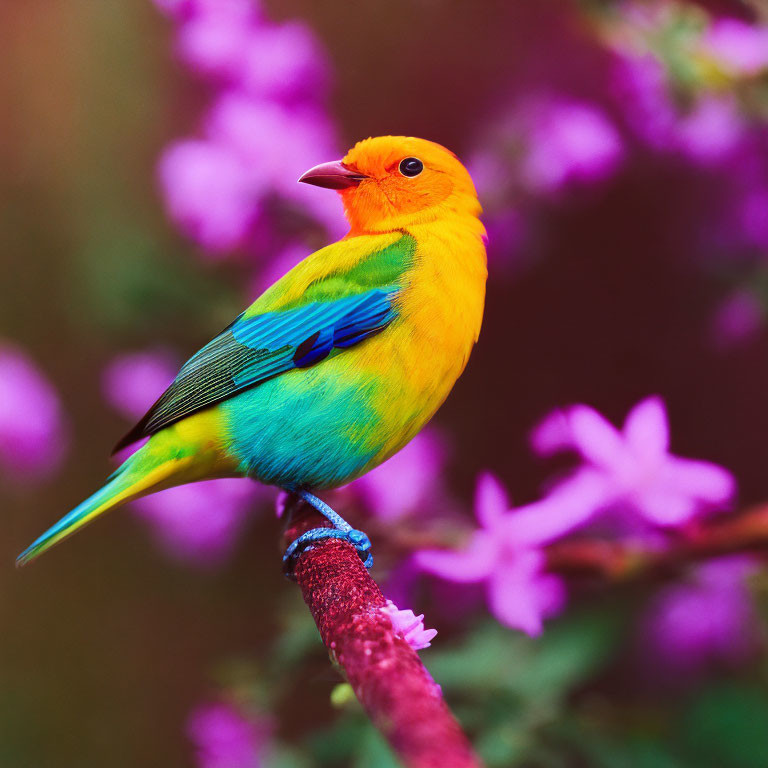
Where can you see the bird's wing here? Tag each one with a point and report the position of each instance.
(259, 347)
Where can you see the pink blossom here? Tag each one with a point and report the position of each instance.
(505, 553)
(406, 483)
(214, 36)
(738, 47)
(133, 381)
(410, 626)
(633, 468)
(284, 62)
(223, 737)
(708, 618)
(711, 131)
(640, 87)
(265, 127)
(274, 145)
(201, 523)
(32, 431)
(209, 193)
(268, 61)
(569, 142)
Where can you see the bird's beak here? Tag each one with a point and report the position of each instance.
(333, 175)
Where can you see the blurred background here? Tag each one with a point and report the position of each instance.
(149, 156)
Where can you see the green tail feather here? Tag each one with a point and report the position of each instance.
(132, 480)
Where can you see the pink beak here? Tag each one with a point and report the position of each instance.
(333, 175)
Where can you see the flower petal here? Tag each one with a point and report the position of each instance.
(646, 429)
(519, 596)
(552, 434)
(409, 626)
(407, 482)
(475, 563)
(491, 500)
(664, 507)
(568, 506)
(595, 438)
(701, 480)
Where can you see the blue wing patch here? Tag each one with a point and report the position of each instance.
(255, 349)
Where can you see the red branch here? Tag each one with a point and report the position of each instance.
(617, 561)
(386, 674)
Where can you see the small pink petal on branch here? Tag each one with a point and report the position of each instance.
(410, 626)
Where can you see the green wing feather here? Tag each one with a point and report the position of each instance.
(258, 347)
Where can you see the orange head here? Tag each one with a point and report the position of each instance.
(390, 182)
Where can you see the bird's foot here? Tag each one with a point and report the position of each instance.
(341, 530)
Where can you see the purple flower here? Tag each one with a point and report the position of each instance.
(709, 618)
(215, 35)
(284, 62)
(409, 626)
(209, 193)
(269, 61)
(569, 142)
(32, 432)
(223, 737)
(201, 523)
(737, 47)
(633, 468)
(640, 87)
(406, 483)
(265, 128)
(274, 145)
(506, 554)
(133, 381)
(711, 131)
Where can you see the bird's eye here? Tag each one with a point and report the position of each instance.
(411, 166)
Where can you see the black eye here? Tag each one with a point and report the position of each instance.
(411, 166)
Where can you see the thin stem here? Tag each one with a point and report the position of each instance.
(618, 561)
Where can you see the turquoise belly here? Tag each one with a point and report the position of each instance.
(309, 428)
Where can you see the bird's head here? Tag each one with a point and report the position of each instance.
(391, 182)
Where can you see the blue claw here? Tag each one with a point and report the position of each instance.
(342, 530)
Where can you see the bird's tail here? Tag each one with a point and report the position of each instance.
(140, 474)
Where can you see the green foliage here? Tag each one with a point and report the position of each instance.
(506, 689)
(509, 687)
(726, 726)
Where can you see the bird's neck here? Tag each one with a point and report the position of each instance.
(454, 244)
(459, 210)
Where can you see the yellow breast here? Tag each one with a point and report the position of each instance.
(441, 311)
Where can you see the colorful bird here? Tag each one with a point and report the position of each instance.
(342, 361)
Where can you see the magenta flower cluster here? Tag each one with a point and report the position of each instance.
(266, 124)
(632, 468)
(626, 482)
(553, 143)
(223, 736)
(709, 618)
(33, 434)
